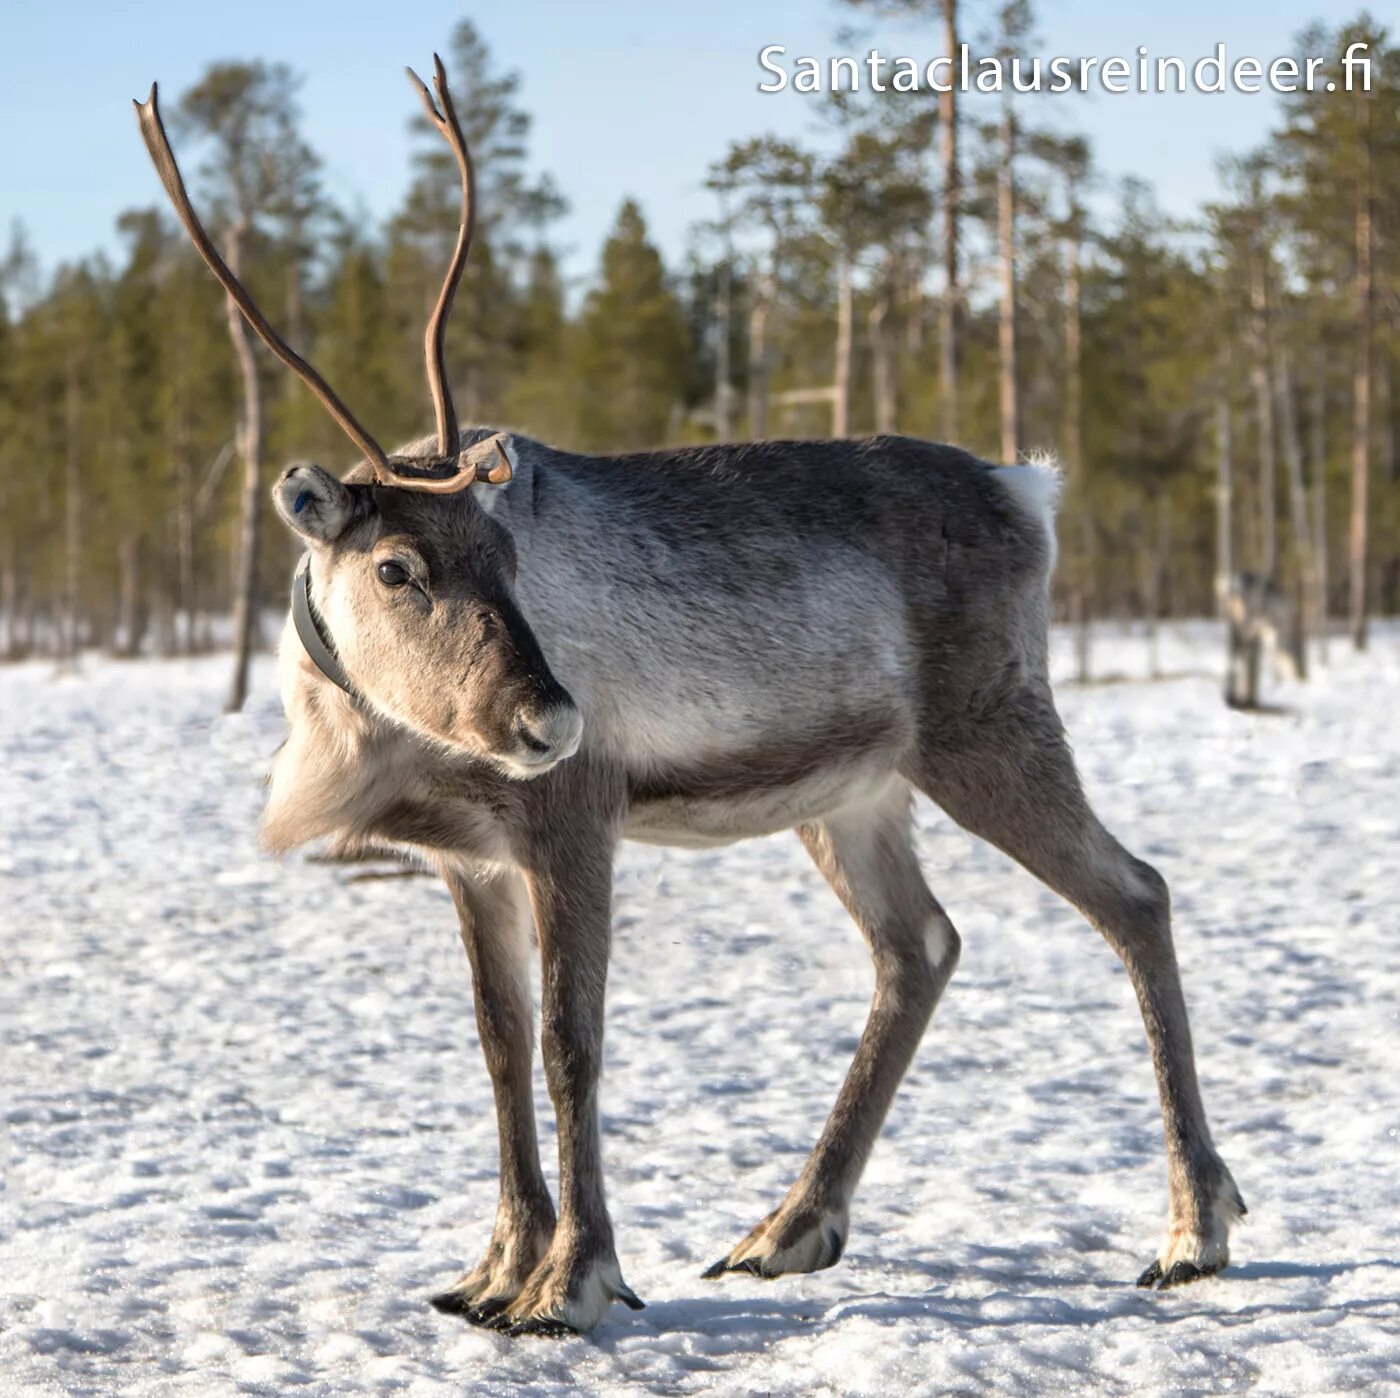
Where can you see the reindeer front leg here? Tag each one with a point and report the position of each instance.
(495, 918)
(578, 1279)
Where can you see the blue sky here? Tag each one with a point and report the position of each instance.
(631, 97)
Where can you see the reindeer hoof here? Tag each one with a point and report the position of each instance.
(483, 1313)
(497, 1319)
(451, 1303)
(804, 1243)
(545, 1328)
(1178, 1274)
(567, 1294)
(487, 1313)
(1194, 1249)
(745, 1264)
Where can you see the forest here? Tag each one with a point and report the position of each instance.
(1220, 391)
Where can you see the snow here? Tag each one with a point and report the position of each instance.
(247, 1130)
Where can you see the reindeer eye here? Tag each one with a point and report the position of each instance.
(392, 574)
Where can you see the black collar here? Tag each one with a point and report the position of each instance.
(311, 630)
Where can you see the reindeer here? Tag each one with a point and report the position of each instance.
(510, 658)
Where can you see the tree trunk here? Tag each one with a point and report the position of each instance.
(1361, 392)
(1319, 514)
(1383, 444)
(952, 194)
(1006, 250)
(9, 606)
(1384, 396)
(9, 578)
(28, 623)
(184, 552)
(1224, 504)
(724, 388)
(1156, 582)
(131, 614)
(164, 607)
(1079, 621)
(758, 365)
(245, 602)
(160, 601)
(1286, 393)
(1074, 369)
(72, 515)
(841, 389)
(1263, 404)
(1081, 609)
(882, 365)
(914, 317)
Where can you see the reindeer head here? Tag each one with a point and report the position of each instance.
(410, 584)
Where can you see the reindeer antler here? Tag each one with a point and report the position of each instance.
(455, 469)
(451, 129)
(158, 144)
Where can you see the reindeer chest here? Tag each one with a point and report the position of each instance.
(416, 800)
(440, 825)
(390, 791)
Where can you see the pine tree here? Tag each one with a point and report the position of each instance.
(632, 350)
(541, 398)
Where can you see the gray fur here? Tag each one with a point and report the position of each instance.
(754, 638)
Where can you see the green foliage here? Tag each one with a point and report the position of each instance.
(632, 347)
(543, 393)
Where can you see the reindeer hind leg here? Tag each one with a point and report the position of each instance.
(1014, 784)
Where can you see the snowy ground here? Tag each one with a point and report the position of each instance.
(247, 1130)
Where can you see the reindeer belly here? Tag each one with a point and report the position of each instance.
(718, 798)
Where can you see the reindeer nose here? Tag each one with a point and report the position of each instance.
(549, 732)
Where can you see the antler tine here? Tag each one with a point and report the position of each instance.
(447, 124)
(158, 144)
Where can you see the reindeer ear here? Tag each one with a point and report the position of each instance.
(313, 503)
